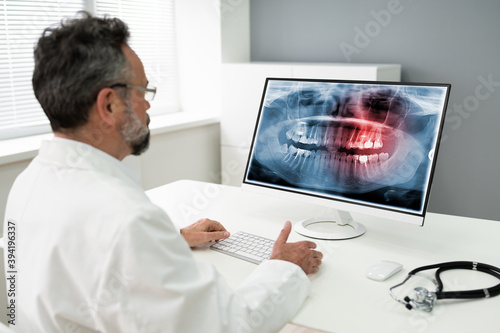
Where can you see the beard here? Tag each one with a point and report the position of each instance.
(135, 134)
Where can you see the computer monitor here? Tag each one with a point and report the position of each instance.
(357, 146)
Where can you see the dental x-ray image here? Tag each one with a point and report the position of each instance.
(371, 143)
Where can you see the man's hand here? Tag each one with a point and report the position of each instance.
(300, 253)
(204, 231)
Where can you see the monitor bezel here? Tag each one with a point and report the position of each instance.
(415, 218)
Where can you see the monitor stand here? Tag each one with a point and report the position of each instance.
(344, 227)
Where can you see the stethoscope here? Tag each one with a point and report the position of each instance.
(424, 299)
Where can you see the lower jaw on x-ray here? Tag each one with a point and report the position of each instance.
(373, 146)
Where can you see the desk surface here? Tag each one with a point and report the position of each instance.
(342, 299)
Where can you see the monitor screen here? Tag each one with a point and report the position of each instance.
(367, 145)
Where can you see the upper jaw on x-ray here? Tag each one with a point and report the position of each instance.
(341, 139)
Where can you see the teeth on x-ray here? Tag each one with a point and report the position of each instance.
(349, 151)
(320, 136)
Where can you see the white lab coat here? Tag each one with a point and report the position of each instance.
(95, 255)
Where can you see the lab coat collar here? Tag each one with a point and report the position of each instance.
(76, 154)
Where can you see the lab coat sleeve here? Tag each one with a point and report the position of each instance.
(270, 296)
(153, 284)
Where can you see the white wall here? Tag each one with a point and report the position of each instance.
(235, 30)
(184, 154)
(199, 54)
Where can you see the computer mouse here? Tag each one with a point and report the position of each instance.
(383, 270)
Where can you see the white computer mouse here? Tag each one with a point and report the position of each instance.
(383, 270)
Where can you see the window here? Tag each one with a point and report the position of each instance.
(152, 28)
(152, 36)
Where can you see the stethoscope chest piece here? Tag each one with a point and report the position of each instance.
(422, 300)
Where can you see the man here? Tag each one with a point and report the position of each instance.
(93, 253)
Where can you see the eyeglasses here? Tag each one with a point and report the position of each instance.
(149, 92)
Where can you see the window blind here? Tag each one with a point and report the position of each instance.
(152, 28)
(21, 24)
(152, 37)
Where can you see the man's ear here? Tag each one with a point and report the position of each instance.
(108, 106)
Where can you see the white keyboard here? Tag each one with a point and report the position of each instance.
(245, 246)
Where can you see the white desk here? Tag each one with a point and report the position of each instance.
(342, 299)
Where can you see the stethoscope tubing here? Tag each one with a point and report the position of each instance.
(464, 294)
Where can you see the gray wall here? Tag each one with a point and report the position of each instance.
(455, 42)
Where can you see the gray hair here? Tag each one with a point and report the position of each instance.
(74, 62)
